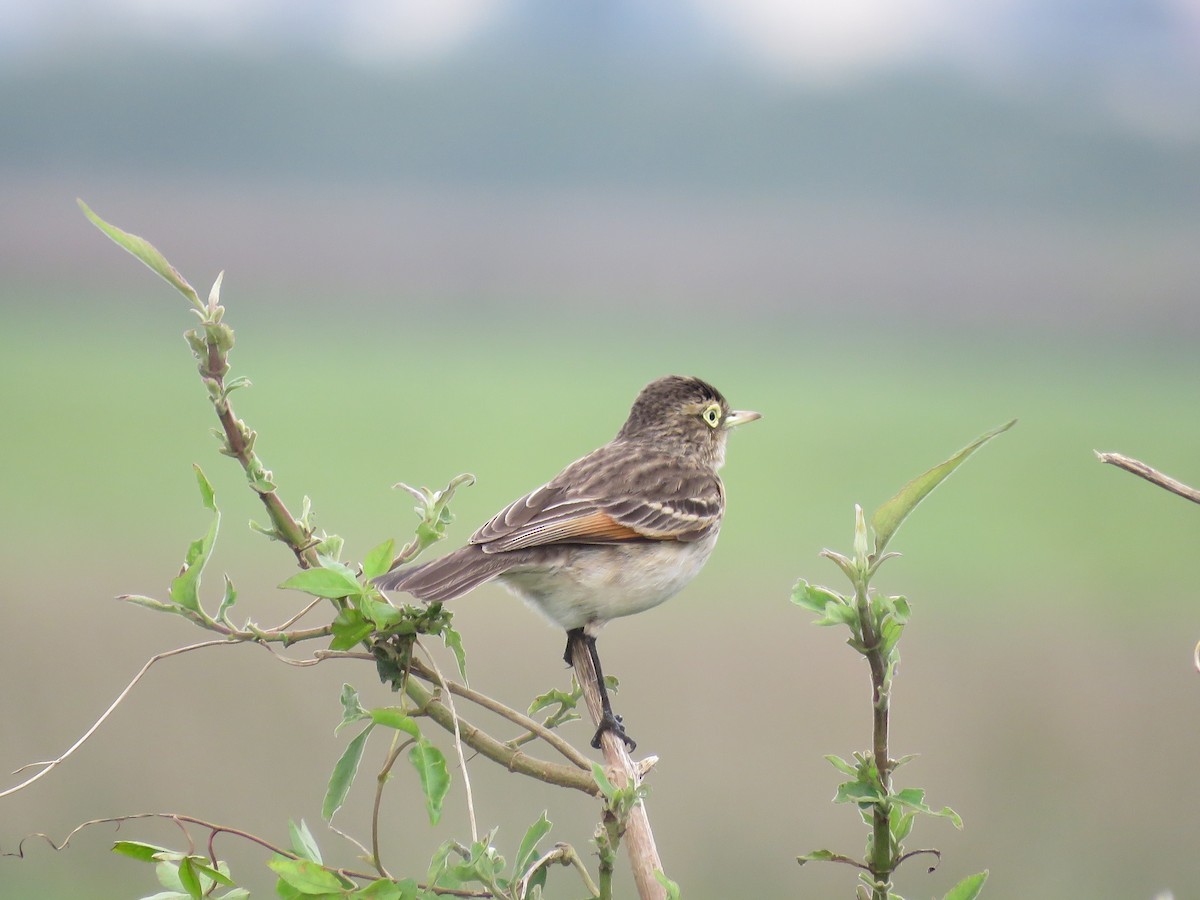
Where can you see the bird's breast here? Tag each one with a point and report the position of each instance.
(580, 586)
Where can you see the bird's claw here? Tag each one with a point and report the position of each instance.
(613, 723)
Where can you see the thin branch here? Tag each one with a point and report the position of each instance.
(564, 854)
(49, 765)
(298, 616)
(937, 854)
(1140, 469)
(462, 761)
(511, 758)
(554, 740)
(215, 829)
(365, 852)
(381, 780)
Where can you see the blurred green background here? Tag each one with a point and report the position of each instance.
(462, 239)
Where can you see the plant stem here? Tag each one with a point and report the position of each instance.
(289, 530)
(511, 758)
(638, 838)
(881, 860)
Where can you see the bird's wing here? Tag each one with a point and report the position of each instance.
(611, 496)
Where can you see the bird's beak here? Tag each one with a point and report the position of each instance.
(741, 417)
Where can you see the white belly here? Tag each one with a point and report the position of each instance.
(590, 585)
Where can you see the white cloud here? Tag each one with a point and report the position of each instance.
(827, 37)
(411, 28)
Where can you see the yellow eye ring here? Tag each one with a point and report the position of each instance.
(712, 415)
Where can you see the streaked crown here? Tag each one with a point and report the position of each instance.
(683, 414)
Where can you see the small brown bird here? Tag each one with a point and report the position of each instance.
(614, 533)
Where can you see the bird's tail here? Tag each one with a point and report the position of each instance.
(448, 577)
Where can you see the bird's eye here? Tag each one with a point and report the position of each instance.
(712, 415)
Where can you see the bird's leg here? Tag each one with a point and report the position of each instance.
(609, 721)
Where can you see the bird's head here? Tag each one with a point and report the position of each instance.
(682, 414)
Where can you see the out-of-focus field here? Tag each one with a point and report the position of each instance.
(1046, 684)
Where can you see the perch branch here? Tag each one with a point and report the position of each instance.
(1140, 469)
(638, 839)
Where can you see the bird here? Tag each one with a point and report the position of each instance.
(616, 532)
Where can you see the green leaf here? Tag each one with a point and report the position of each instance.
(483, 865)
(205, 871)
(151, 603)
(394, 717)
(227, 601)
(814, 597)
(433, 507)
(914, 798)
(307, 877)
(556, 697)
(841, 765)
(900, 823)
(454, 641)
(607, 788)
(969, 888)
(349, 627)
(146, 252)
(838, 612)
(825, 856)
(167, 872)
(343, 774)
(887, 519)
(857, 792)
(331, 546)
(324, 582)
(303, 842)
(671, 887)
(434, 776)
(439, 865)
(185, 588)
(860, 538)
(139, 851)
(207, 495)
(844, 563)
(189, 878)
(352, 710)
(386, 889)
(527, 852)
(377, 561)
(382, 615)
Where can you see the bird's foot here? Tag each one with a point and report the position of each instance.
(614, 724)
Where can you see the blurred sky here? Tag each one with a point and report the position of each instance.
(799, 39)
(995, 162)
